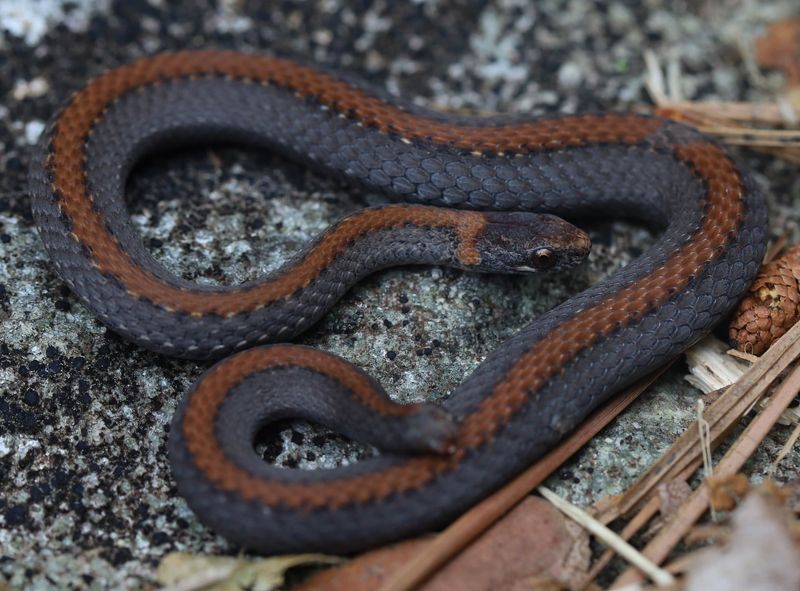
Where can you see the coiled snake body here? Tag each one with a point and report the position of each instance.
(521, 400)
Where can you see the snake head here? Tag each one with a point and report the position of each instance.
(523, 242)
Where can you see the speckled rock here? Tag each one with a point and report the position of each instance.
(86, 497)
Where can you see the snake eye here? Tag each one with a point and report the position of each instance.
(543, 258)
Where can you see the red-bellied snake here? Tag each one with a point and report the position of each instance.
(529, 392)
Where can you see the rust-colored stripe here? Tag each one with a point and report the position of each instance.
(205, 401)
(724, 213)
(75, 124)
(230, 372)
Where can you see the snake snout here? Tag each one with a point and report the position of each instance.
(524, 242)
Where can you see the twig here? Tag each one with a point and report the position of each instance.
(620, 546)
(710, 369)
(472, 523)
(755, 137)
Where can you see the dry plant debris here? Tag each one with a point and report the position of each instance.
(768, 127)
(749, 387)
(188, 572)
(532, 543)
(713, 367)
(761, 555)
(756, 548)
(710, 368)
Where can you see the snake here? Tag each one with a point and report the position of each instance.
(463, 190)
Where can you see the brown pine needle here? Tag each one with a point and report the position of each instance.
(740, 112)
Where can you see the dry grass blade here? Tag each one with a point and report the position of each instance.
(785, 351)
(470, 525)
